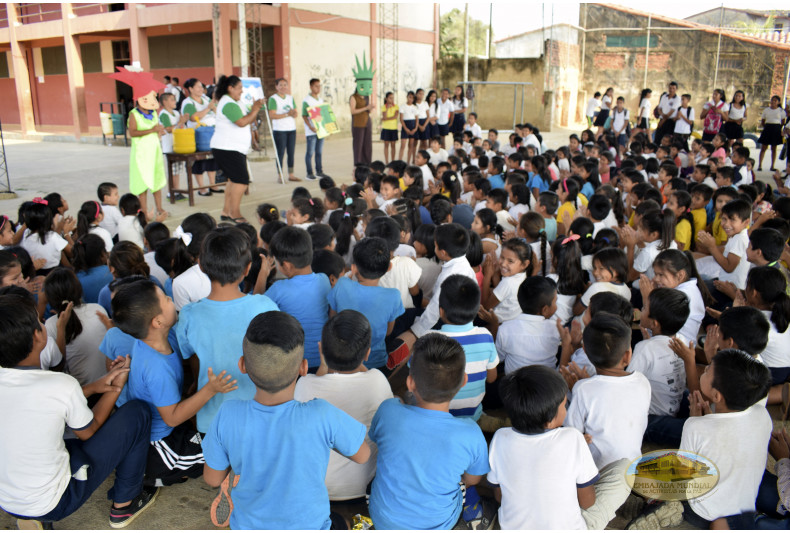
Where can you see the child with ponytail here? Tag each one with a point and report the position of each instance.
(765, 290)
(485, 224)
(305, 212)
(502, 278)
(171, 255)
(656, 229)
(89, 259)
(569, 276)
(130, 228)
(89, 217)
(583, 227)
(685, 231)
(41, 242)
(532, 228)
(126, 259)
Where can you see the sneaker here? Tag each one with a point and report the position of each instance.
(123, 517)
(664, 515)
(24, 524)
(485, 514)
(180, 196)
(311, 177)
(397, 352)
(222, 505)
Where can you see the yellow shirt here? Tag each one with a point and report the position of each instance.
(683, 234)
(700, 220)
(567, 207)
(718, 233)
(390, 122)
(401, 184)
(631, 219)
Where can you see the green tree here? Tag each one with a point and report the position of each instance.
(451, 35)
(753, 28)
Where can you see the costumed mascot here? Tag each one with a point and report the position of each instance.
(361, 106)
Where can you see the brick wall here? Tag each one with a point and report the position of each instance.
(778, 79)
(563, 54)
(609, 61)
(658, 61)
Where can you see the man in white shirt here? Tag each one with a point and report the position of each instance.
(592, 103)
(667, 108)
(444, 114)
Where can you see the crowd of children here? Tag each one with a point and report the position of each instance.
(576, 302)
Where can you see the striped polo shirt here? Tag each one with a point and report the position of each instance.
(481, 356)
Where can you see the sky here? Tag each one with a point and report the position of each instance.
(505, 24)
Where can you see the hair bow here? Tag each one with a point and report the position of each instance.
(572, 238)
(38, 200)
(346, 215)
(185, 236)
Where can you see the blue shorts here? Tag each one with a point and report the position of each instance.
(622, 139)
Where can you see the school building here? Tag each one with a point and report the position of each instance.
(55, 58)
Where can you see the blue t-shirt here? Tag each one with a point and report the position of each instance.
(214, 331)
(536, 182)
(381, 306)
(496, 181)
(425, 215)
(304, 298)
(105, 296)
(551, 229)
(156, 379)
(588, 190)
(464, 214)
(92, 281)
(422, 455)
(168, 287)
(280, 454)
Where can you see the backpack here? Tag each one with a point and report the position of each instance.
(712, 123)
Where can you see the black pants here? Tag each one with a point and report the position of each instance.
(362, 139)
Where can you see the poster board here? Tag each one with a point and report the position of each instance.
(252, 89)
(323, 120)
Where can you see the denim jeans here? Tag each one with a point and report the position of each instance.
(314, 144)
(285, 140)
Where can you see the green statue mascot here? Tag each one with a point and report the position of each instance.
(361, 106)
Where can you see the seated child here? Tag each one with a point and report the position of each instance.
(35, 406)
(458, 306)
(108, 197)
(543, 473)
(404, 273)
(610, 269)
(547, 205)
(674, 269)
(502, 279)
(612, 406)
(329, 263)
(497, 202)
(303, 293)
(347, 384)
(731, 263)
(766, 246)
(89, 260)
(142, 311)
(438, 450)
(380, 305)
(766, 291)
(532, 337)
(284, 487)
(210, 331)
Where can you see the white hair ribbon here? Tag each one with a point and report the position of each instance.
(185, 237)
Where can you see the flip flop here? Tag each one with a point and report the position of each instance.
(225, 218)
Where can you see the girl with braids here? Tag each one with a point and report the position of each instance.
(84, 328)
(89, 217)
(89, 259)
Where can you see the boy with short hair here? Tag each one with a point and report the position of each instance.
(425, 440)
(344, 382)
(493, 136)
(404, 273)
(547, 205)
(740, 156)
(684, 120)
(329, 263)
(532, 337)
(437, 153)
(141, 310)
(725, 177)
(766, 246)
(380, 305)
(497, 202)
(43, 479)
(302, 294)
(612, 406)
(543, 473)
(279, 447)
(458, 306)
(108, 198)
(472, 125)
(210, 331)
(731, 263)
(390, 191)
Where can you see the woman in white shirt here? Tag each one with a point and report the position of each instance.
(408, 122)
(643, 115)
(231, 142)
(422, 118)
(714, 114)
(733, 127)
(460, 103)
(603, 114)
(282, 112)
(432, 129)
(772, 120)
(200, 110)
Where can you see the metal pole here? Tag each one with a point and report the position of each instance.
(647, 48)
(491, 30)
(466, 42)
(515, 99)
(522, 104)
(244, 52)
(787, 81)
(718, 48)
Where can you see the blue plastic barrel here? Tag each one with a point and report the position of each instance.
(203, 136)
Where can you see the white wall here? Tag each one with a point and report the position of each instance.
(359, 11)
(531, 44)
(417, 16)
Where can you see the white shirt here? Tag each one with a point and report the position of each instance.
(644, 108)
(408, 112)
(773, 116)
(643, 262)
(50, 355)
(463, 103)
(681, 126)
(427, 177)
(539, 475)
(669, 105)
(776, 353)
(167, 138)
(437, 157)
(112, 217)
(690, 329)
(737, 113)
(310, 101)
(736, 443)
(404, 274)
(105, 236)
(580, 358)
(476, 130)
(565, 303)
(517, 210)
(359, 395)
(49, 251)
(613, 410)
(592, 103)
(619, 118)
(430, 316)
(227, 134)
(129, 229)
(283, 105)
(406, 250)
(532, 140)
(191, 286)
(606, 102)
(84, 361)
(156, 271)
(664, 370)
(605, 286)
(35, 405)
(528, 340)
(506, 292)
(737, 245)
(422, 110)
(209, 119)
(444, 111)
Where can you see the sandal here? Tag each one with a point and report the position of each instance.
(217, 191)
(225, 218)
(207, 193)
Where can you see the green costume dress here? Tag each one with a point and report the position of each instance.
(146, 166)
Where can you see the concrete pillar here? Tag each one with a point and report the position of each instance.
(24, 97)
(436, 19)
(220, 31)
(138, 39)
(282, 44)
(374, 31)
(71, 42)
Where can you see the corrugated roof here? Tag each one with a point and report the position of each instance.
(547, 28)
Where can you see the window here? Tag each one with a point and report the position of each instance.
(181, 51)
(54, 60)
(4, 71)
(630, 41)
(731, 61)
(91, 57)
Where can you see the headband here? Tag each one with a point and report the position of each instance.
(565, 185)
(4, 220)
(185, 236)
(98, 210)
(311, 202)
(38, 200)
(570, 239)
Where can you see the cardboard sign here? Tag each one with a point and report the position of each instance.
(252, 89)
(323, 120)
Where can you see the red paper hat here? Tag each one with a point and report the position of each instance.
(142, 83)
